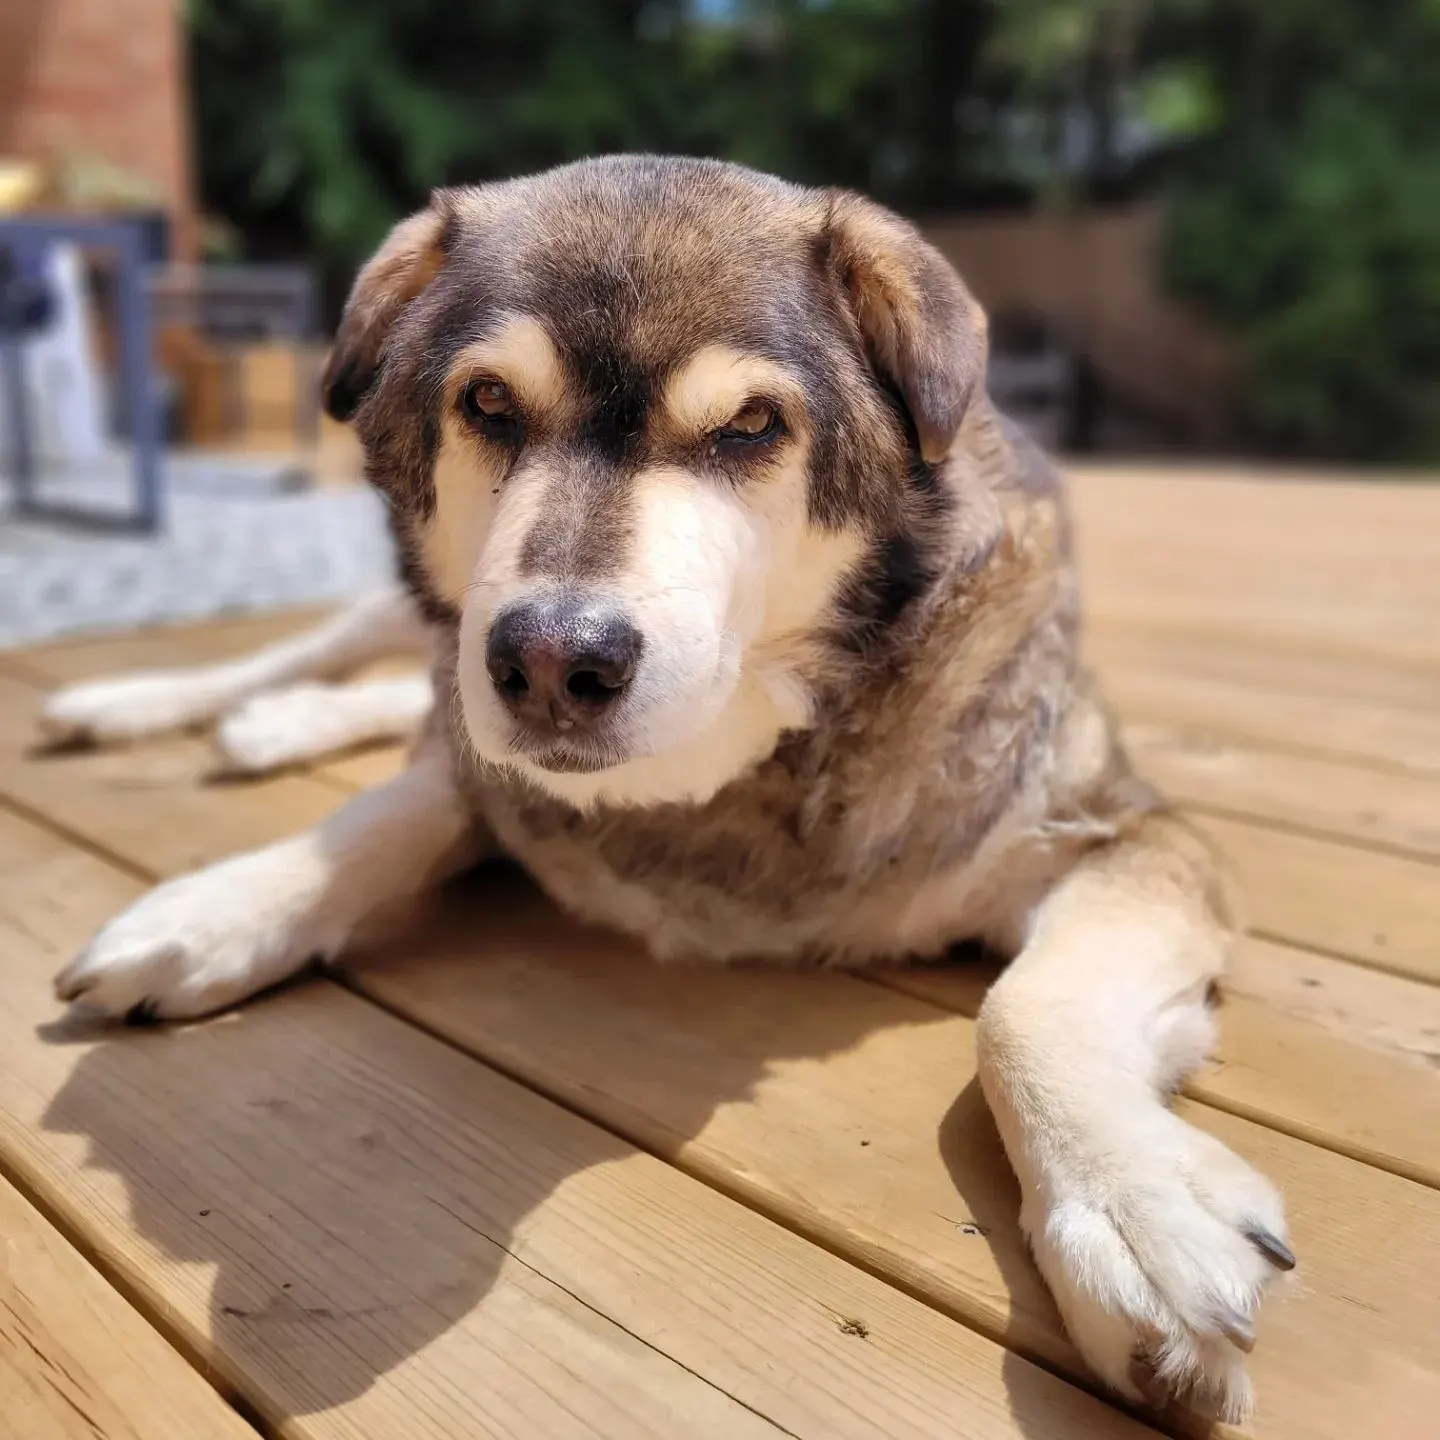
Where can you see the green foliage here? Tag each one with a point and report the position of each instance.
(1311, 227)
(321, 121)
(1308, 221)
(1320, 250)
(1306, 218)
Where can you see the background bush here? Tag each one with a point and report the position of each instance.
(1296, 142)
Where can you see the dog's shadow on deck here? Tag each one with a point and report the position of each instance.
(350, 1189)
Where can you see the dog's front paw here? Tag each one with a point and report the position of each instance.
(126, 707)
(280, 727)
(205, 941)
(1158, 1244)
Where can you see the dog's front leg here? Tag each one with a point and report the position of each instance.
(1156, 1240)
(210, 939)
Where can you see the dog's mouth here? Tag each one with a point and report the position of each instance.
(566, 760)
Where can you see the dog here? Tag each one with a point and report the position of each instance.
(755, 635)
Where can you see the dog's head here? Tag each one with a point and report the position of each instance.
(649, 428)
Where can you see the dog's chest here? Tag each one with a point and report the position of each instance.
(771, 869)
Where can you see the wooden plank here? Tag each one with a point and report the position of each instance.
(1381, 1365)
(1315, 1084)
(155, 803)
(368, 1233)
(1299, 888)
(1379, 909)
(1287, 558)
(1339, 799)
(76, 1362)
(1366, 1007)
(1341, 729)
(364, 768)
(158, 647)
(865, 1129)
(1350, 1064)
(1326, 672)
(1319, 1048)
(1200, 768)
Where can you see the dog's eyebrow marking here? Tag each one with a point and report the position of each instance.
(715, 382)
(520, 352)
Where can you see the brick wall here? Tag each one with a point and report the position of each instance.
(101, 76)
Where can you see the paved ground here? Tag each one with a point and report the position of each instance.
(238, 538)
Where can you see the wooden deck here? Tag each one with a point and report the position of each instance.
(513, 1181)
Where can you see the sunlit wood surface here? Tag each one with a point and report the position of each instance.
(509, 1180)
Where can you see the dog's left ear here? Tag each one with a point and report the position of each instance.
(924, 330)
(409, 259)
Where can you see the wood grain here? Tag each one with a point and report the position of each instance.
(1406, 740)
(1321, 670)
(1335, 799)
(157, 647)
(158, 804)
(863, 1127)
(1382, 910)
(1315, 1084)
(1296, 559)
(367, 1233)
(1226, 613)
(76, 1361)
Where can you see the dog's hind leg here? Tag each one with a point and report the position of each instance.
(305, 722)
(1156, 1240)
(128, 707)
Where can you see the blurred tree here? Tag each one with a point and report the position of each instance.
(1301, 140)
(1306, 214)
(320, 121)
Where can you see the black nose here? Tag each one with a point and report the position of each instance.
(560, 662)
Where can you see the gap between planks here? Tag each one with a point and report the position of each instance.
(249, 818)
(77, 1360)
(846, 1094)
(645, 1059)
(185, 824)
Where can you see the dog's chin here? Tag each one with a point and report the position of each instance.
(570, 760)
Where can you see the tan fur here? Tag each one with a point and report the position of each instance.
(404, 265)
(450, 539)
(709, 388)
(520, 353)
(859, 729)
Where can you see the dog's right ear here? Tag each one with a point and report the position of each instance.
(411, 257)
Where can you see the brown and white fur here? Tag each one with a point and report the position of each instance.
(756, 631)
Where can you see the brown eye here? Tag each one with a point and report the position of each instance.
(756, 422)
(489, 403)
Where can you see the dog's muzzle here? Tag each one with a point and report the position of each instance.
(560, 666)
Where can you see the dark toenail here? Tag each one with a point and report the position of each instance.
(1237, 1330)
(1274, 1249)
(142, 1013)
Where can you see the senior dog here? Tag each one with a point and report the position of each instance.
(754, 631)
